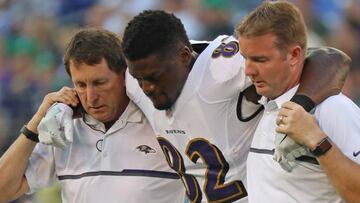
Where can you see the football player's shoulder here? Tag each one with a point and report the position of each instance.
(225, 61)
(224, 70)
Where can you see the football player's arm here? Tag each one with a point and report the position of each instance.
(342, 172)
(14, 161)
(324, 75)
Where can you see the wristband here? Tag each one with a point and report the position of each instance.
(29, 134)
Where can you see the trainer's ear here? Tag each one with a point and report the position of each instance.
(295, 55)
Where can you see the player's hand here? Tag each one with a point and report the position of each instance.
(65, 95)
(287, 150)
(56, 128)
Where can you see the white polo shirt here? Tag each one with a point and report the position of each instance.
(338, 117)
(123, 164)
(201, 135)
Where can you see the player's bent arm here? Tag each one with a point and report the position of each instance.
(14, 161)
(324, 74)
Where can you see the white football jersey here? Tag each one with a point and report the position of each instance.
(123, 164)
(201, 136)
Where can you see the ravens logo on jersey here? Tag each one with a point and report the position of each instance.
(146, 149)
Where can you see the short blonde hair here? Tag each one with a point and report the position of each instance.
(280, 18)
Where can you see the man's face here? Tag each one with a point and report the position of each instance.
(269, 68)
(161, 78)
(101, 91)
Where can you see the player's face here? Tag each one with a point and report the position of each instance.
(101, 91)
(162, 78)
(270, 69)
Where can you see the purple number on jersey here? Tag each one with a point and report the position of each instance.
(226, 50)
(217, 167)
(176, 162)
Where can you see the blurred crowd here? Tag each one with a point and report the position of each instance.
(33, 34)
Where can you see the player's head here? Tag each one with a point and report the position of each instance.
(93, 59)
(158, 54)
(272, 39)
